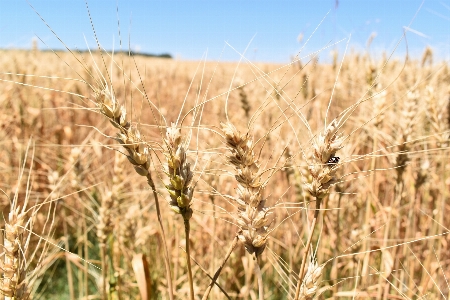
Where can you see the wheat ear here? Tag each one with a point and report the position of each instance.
(253, 217)
(322, 168)
(310, 283)
(138, 154)
(13, 284)
(180, 188)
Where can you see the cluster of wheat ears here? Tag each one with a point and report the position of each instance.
(204, 180)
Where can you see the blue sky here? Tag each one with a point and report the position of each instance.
(189, 29)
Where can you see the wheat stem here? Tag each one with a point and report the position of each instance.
(103, 260)
(372, 185)
(305, 255)
(187, 228)
(114, 282)
(259, 276)
(86, 255)
(68, 265)
(163, 235)
(213, 245)
(216, 275)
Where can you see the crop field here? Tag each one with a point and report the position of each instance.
(133, 177)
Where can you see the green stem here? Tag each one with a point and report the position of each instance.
(163, 235)
(68, 265)
(187, 228)
(103, 259)
(86, 257)
(113, 293)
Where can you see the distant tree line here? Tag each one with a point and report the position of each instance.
(131, 53)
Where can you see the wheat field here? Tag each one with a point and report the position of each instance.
(131, 177)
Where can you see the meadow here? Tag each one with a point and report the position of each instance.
(128, 177)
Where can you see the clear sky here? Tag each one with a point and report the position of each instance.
(189, 29)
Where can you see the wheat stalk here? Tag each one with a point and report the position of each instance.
(322, 168)
(138, 154)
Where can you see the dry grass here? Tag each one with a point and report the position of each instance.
(341, 179)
